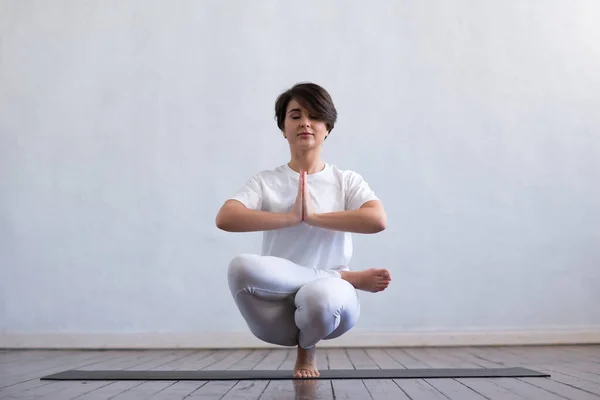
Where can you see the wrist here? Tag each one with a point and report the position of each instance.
(312, 219)
(291, 219)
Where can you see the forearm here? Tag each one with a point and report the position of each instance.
(363, 220)
(245, 220)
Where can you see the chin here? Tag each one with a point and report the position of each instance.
(307, 145)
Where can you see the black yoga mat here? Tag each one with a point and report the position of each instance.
(238, 375)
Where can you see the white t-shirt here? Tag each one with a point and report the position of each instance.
(330, 189)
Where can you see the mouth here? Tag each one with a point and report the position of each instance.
(305, 134)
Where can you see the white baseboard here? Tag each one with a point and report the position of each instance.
(587, 335)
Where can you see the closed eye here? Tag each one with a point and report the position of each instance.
(310, 117)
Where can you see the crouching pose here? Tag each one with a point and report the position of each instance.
(300, 290)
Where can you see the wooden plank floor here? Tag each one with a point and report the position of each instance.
(575, 374)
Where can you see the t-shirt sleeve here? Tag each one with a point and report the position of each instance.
(250, 194)
(358, 191)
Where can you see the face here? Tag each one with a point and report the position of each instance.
(301, 129)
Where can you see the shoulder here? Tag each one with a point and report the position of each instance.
(269, 175)
(349, 177)
(272, 173)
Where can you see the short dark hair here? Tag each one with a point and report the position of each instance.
(311, 96)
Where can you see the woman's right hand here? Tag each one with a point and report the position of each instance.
(234, 216)
(296, 213)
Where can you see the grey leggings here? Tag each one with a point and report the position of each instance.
(288, 304)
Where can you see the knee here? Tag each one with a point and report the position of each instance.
(325, 300)
(240, 272)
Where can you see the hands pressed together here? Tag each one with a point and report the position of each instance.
(369, 218)
(302, 211)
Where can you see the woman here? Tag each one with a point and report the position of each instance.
(300, 290)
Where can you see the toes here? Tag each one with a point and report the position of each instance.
(385, 275)
(381, 286)
(305, 373)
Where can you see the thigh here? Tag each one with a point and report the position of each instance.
(270, 277)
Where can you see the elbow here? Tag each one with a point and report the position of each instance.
(222, 226)
(379, 222)
(227, 218)
(380, 225)
(222, 223)
(376, 217)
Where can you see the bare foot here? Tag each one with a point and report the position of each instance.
(370, 280)
(306, 363)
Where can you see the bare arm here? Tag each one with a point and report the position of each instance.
(236, 217)
(370, 218)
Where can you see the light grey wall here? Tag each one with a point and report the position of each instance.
(125, 124)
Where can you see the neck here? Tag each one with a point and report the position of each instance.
(306, 161)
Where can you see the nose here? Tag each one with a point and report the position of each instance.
(304, 122)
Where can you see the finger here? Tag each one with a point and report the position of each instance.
(304, 196)
(301, 193)
(305, 185)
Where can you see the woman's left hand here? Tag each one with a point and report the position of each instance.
(308, 210)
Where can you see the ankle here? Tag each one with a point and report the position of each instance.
(348, 276)
(306, 354)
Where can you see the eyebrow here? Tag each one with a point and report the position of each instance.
(294, 109)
